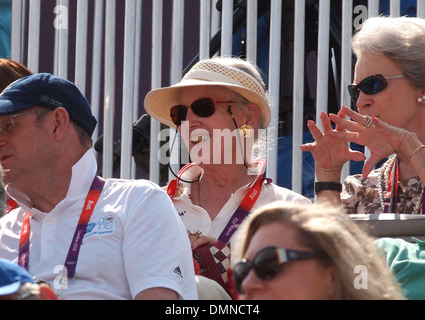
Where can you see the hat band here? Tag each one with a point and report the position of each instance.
(213, 72)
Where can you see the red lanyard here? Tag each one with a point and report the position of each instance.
(10, 205)
(74, 249)
(245, 206)
(392, 194)
(243, 210)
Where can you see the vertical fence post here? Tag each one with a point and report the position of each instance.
(373, 8)
(81, 45)
(227, 28)
(421, 9)
(176, 73)
(274, 87)
(346, 62)
(128, 90)
(395, 8)
(34, 36)
(96, 63)
(298, 104)
(251, 31)
(61, 45)
(323, 59)
(204, 32)
(109, 104)
(156, 83)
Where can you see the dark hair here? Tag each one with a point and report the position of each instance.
(11, 71)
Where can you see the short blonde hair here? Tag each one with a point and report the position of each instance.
(326, 229)
(400, 39)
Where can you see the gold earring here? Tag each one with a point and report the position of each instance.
(246, 130)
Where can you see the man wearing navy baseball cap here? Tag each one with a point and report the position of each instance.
(90, 238)
(49, 91)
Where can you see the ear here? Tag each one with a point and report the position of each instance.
(61, 122)
(329, 278)
(253, 115)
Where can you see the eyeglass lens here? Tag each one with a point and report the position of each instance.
(204, 107)
(370, 85)
(266, 265)
(9, 123)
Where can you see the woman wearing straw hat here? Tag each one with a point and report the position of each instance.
(219, 109)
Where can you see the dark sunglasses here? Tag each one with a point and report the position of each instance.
(370, 85)
(268, 263)
(204, 107)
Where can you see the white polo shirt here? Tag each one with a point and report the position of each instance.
(197, 218)
(134, 241)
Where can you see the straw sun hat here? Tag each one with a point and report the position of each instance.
(213, 72)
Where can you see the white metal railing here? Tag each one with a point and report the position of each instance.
(102, 51)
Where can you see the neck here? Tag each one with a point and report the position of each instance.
(227, 176)
(217, 185)
(48, 195)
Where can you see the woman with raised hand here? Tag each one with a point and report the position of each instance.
(389, 91)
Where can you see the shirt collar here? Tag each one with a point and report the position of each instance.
(83, 173)
(192, 171)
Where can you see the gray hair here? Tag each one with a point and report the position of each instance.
(248, 67)
(400, 39)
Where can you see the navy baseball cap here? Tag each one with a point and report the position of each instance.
(47, 90)
(11, 277)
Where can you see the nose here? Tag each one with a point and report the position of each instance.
(364, 101)
(191, 116)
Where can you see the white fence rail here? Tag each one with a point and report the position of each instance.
(109, 37)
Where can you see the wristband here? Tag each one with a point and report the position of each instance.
(322, 186)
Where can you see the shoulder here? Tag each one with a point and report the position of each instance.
(135, 192)
(407, 261)
(274, 192)
(127, 186)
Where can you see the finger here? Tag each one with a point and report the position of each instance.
(355, 116)
(342, 115)
(307, 147)
(201, 242)
(314, 130)
(369, 166)
(347, 136)
(326, 122)
(345, 124)
(357, 156)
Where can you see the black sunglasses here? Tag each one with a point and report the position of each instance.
(370, 85)
(204, 107)
(268, 262)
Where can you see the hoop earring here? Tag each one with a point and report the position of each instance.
(246, 130)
